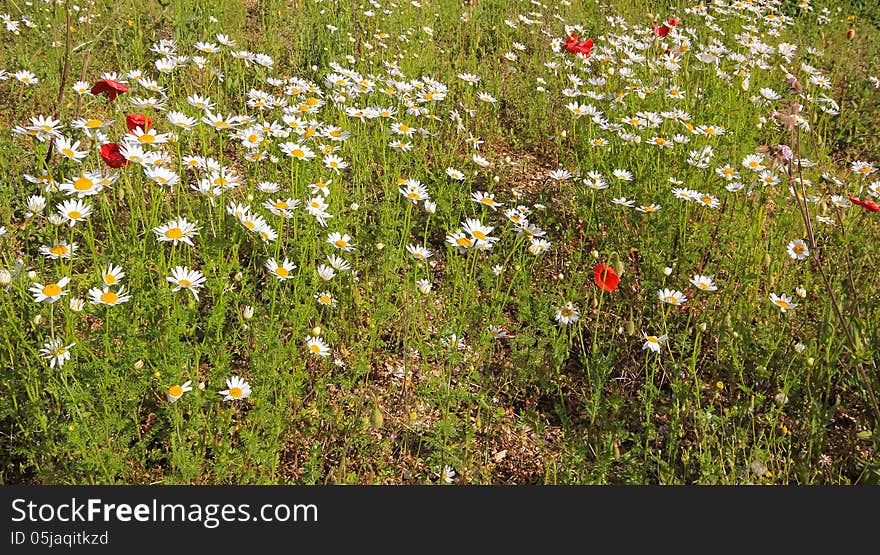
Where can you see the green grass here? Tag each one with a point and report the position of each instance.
(740, 393)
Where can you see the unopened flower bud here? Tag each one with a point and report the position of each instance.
(630, 327)
(667, 271)
(139, 364)
(594, 253)
(354, 206)
(618, 267)
(701, 326)
(38, 319)
(76, 304)
(5, 277)
(850, 33)
(247, 312)
(811, 361)
(801, 292)
(238, 276)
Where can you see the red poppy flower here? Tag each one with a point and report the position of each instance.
(112, 88)
(133, 121)
(110, 153)
(663, 30)
(868, 205)
(575, 46)
(606, 278)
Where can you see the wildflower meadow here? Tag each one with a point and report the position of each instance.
(439, 242)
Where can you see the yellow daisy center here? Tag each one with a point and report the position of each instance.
(478, 234)
(83, 184)
(324, 299)
(175, 391)
(74, 215)
(341, 244)
(59, 250)
(93, 123)
(282, 271)
(463, 242)
(146, 138)
(298, 152)
(174, 233)
(781, 303)
(109, 279)
(184, 283)
(235, 392)
(315, 348)
(51, 290)
(68, 152)
(109, 297)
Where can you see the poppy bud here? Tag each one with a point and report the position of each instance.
(376, 418)
(630, 327)
(618, 267)
(850, 33)
(765, 262)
